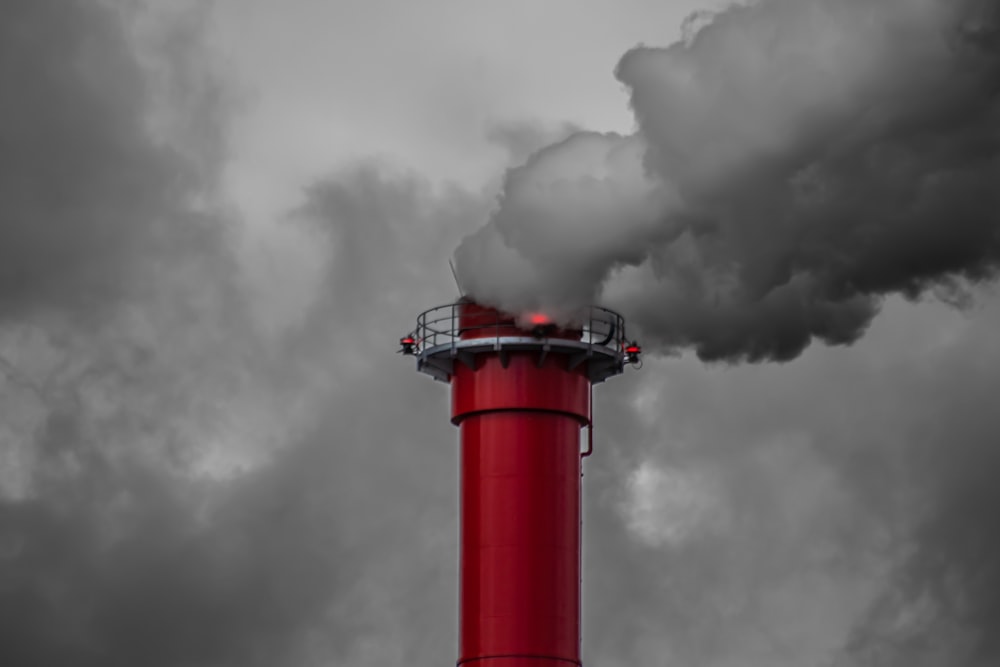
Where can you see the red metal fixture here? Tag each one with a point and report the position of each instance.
(632, 352)
(519, 398)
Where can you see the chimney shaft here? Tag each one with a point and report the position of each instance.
(519, 398)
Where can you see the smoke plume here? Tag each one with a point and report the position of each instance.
(212, 458)
(793, 163)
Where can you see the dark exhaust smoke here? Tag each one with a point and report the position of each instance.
(794, 162)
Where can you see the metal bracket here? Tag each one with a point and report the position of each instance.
(578, 359)
(600, 369)
(439, 369)
(465, 357)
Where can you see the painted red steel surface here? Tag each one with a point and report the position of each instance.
(520, 490)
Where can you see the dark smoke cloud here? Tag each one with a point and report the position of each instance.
(794, 163)
(338, 546)
(178, 486)
(837, 511)
(181, 486)
(117, 311)
(89, 197)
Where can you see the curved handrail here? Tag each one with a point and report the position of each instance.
(599, 327)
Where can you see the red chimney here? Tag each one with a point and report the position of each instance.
(521, 392)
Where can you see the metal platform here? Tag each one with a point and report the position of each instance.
(448, 334)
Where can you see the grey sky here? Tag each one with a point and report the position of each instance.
(216, 221)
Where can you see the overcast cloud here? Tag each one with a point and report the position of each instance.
(210, 456)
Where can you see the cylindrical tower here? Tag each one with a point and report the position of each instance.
(520, 395)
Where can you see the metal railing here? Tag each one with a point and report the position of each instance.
(596, 328)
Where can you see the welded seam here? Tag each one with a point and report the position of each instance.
(564, 413)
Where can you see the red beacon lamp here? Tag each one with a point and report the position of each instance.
(521, 393)
(407, 345)
(632, 352)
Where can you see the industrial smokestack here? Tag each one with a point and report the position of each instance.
(794, 162)
(521, 393)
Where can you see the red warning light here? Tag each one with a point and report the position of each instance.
(538, 318)
(632, 352)
(406, 344)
